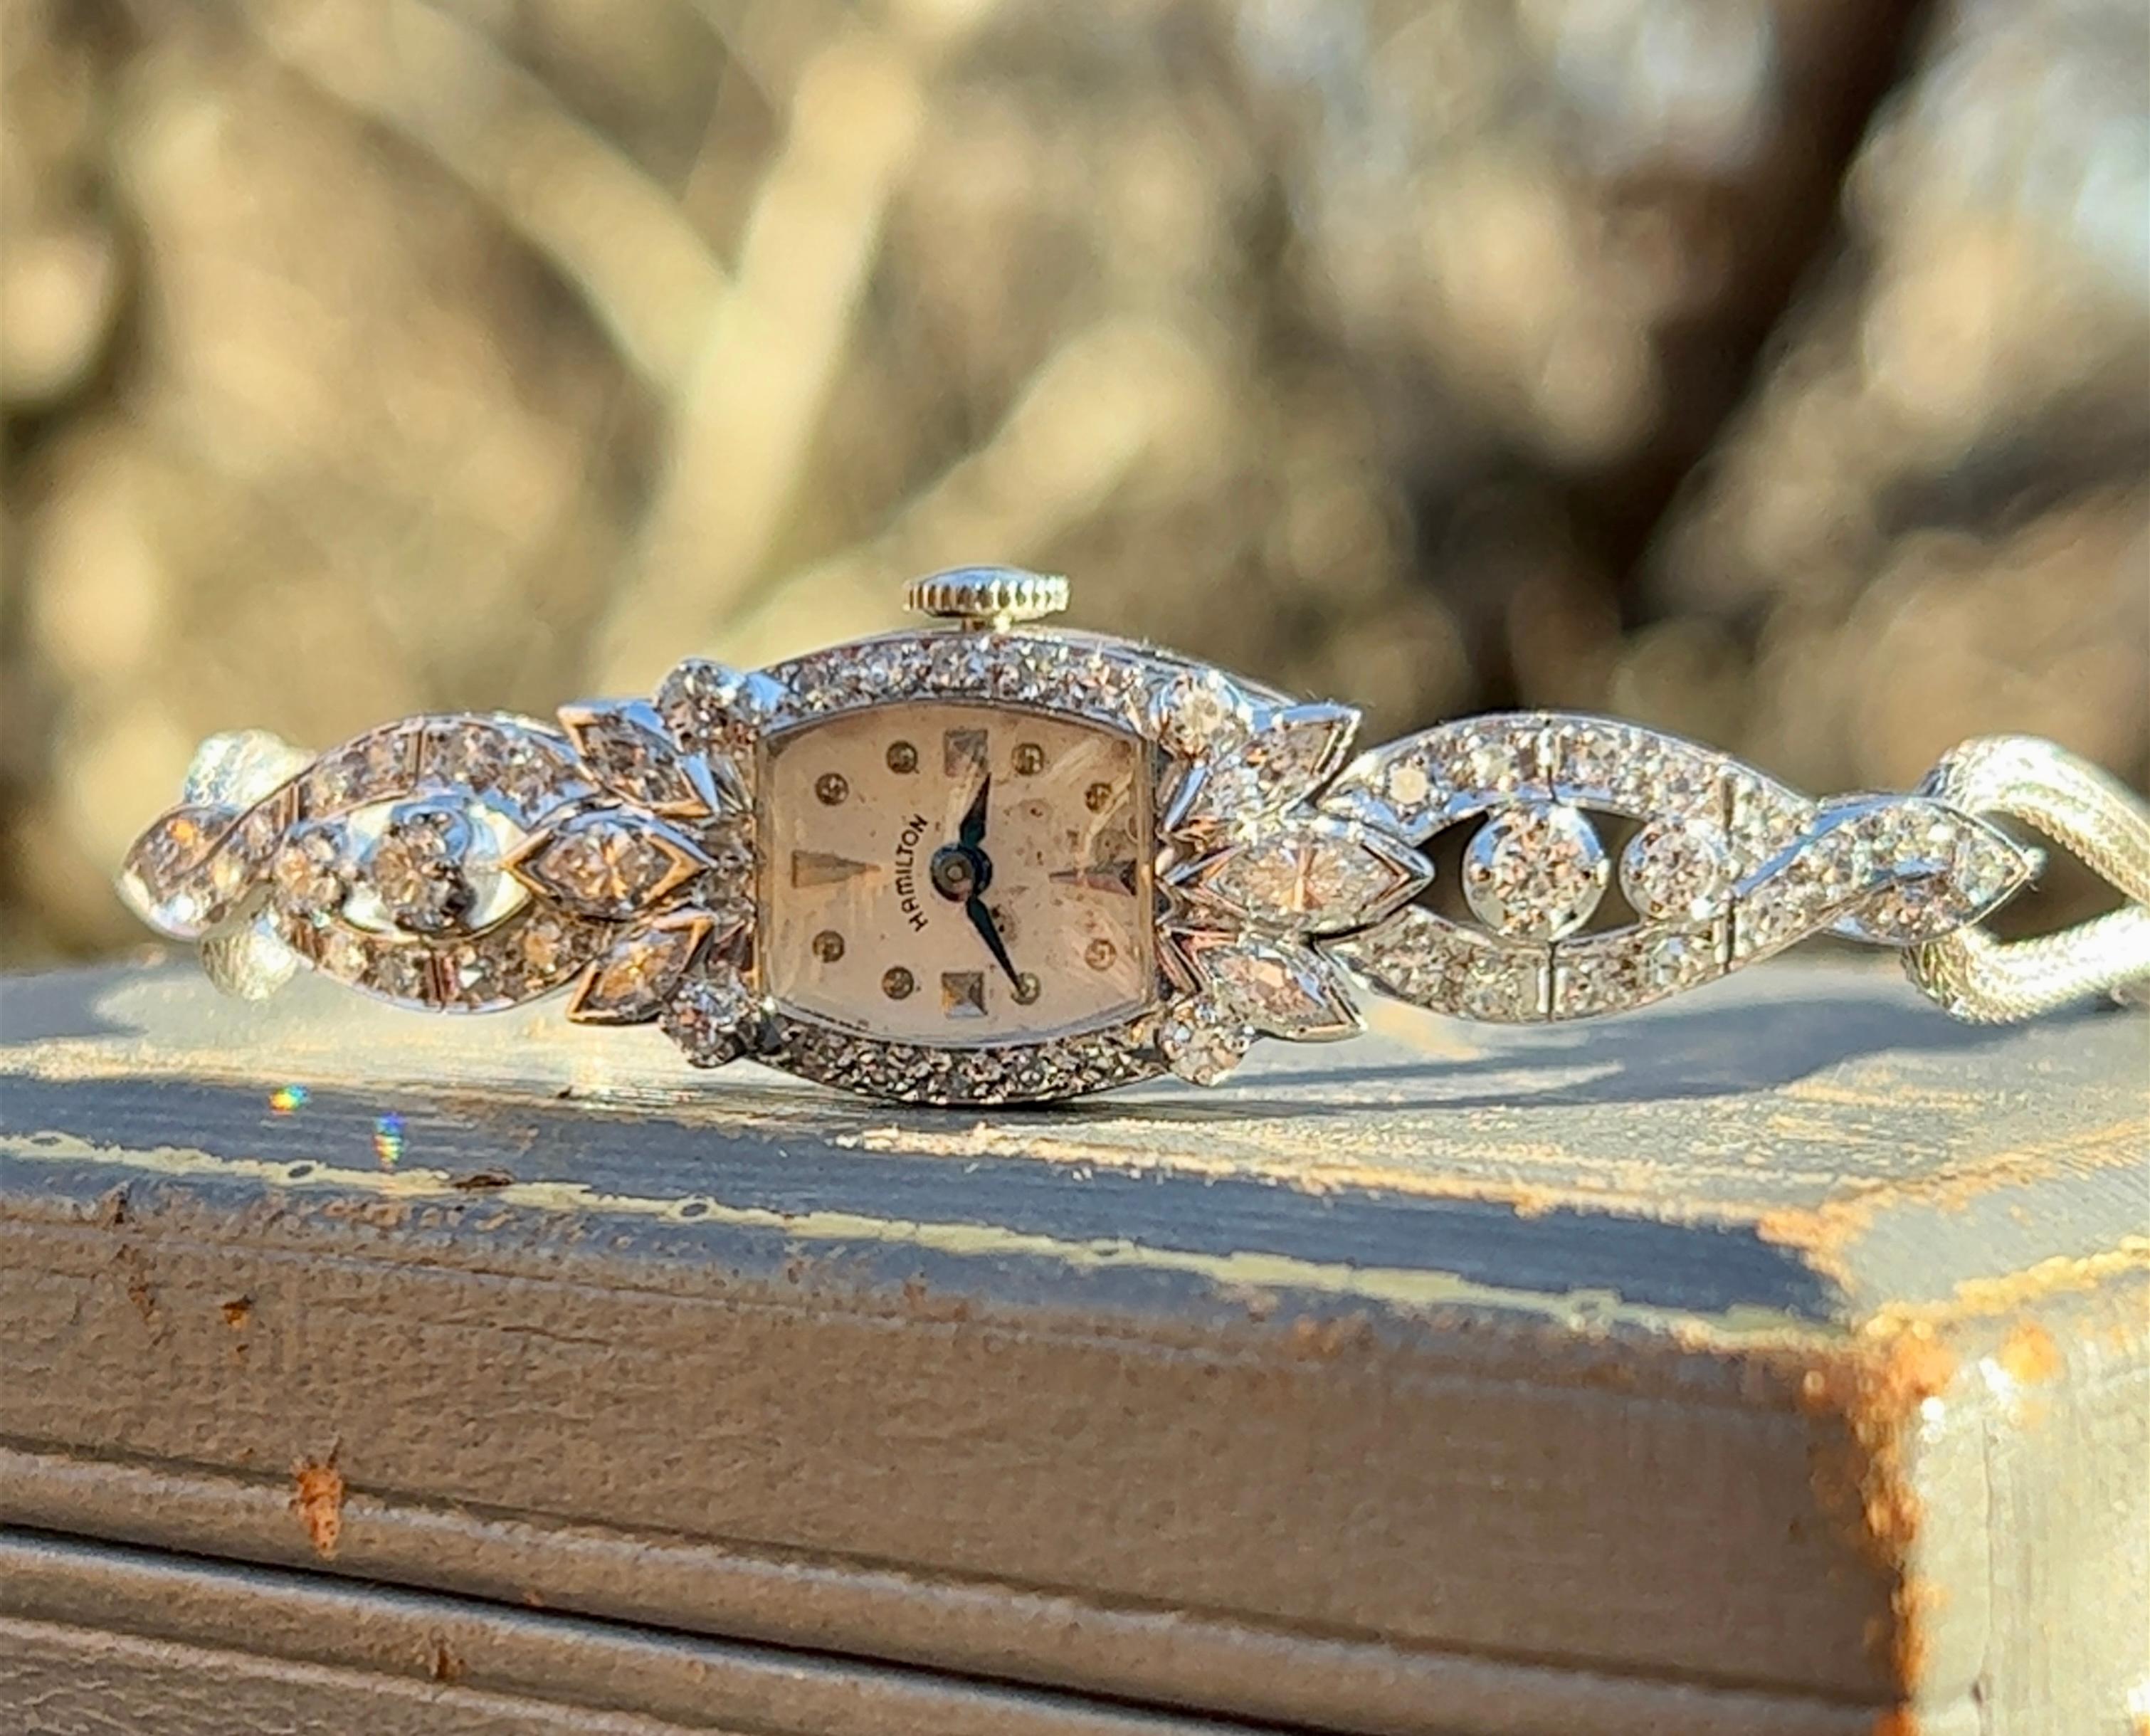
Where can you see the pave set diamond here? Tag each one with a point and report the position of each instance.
(1726, 866)
(467, 863)
(471, 863)
(1251, 872)
(1535, 870)
(1255, 873)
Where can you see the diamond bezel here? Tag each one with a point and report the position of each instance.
(1199, 722)
(1104, 683)
(1124, 1053)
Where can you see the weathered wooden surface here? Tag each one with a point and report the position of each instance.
(117, 1636)
(1779, 1361)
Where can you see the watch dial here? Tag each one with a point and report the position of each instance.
(957, 874)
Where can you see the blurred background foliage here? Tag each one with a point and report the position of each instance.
(1774, 370)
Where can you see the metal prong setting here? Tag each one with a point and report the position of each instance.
(1727, 867)
(467, 863)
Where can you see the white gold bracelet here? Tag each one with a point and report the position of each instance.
(987, 861)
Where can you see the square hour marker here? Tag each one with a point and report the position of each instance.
(963, 994)
(964, 752)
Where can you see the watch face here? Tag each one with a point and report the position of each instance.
(957, 874)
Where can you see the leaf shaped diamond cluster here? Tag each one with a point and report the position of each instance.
(473, 862)
(1256, 873)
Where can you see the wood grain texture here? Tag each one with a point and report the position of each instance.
(1773, 1363)
(78, 1682)
(404, 1648)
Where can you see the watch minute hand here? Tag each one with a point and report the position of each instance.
(981, 918)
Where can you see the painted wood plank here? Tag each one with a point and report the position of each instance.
(1460, 1380)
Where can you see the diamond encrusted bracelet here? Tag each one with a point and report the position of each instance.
(989, 861)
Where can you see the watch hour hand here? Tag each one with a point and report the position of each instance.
(972, 831)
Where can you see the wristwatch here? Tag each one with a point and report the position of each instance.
(983, 860)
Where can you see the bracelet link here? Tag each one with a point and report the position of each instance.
(1974, 975)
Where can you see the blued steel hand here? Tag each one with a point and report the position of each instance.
(963, 871)
(971, 834)
(981, 918)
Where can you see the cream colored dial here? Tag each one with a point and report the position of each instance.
(957, 874)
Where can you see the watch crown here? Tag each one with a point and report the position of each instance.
(996, 597)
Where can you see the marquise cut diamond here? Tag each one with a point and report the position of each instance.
(1284, 989)
(629, 751)
(1316, 875)
(1289, 751)
(608, 862)
(632, 982)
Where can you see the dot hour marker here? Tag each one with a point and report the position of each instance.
(828, 945)
(1026, 989)
(963, 994)
(1099, 954)
(897, 983)
(1097, 798)
(1029, 758)
(831, 787)
(902, 757)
